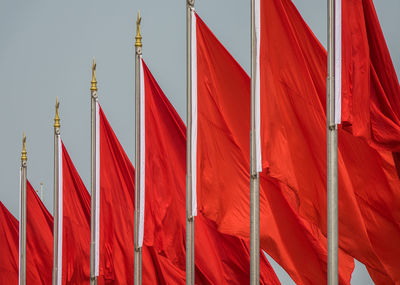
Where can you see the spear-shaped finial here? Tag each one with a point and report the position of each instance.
(57, 116)
(138, 37)
(94, 81)
(23, 152)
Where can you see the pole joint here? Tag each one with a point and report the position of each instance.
(254, 176)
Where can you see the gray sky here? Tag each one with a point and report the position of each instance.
(46, 50)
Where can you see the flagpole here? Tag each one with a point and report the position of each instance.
(93, 209)
(56, 191)
(138, 248)
(22, 237)
(190, 249)
(332, 154)
(254, 176)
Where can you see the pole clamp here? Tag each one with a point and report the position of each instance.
(94, 95)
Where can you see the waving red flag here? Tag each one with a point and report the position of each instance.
(220, 258)
(39, 240)
(370, 88)
(223, 170)
(8, 247)
(293, 124)
(39, 248)
(117, 178)
(76, 225)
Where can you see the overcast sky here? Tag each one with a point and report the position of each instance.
(46, 49)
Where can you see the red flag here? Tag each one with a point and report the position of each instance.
(293, 121)
(8, 247)
(220, 258)
(39, 240)
(76, 225)
(370, 88)
(39, 244)
(116, 210)
(117, 177)
(223, 169)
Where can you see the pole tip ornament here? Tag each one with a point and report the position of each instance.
(190, 3)
(57, 116)
(23, 152)
(93, 87)
(138, 37)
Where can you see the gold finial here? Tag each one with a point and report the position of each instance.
(94, 81)
(57, 116)
(138, 37)
(23, 153)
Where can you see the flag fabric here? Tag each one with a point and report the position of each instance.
(223, 169)
(75, 229)
(338, 61)
(370, 88)
(142, 154)
(293, 123)
(60, 215)
(97, 192)
(257, 104)
(219, 258)
(193, 126)
(9, 243)
(117, 178)
(20, 225)
(39, 244)
(39, 240)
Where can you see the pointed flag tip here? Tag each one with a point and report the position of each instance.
(93, 86)
(23, 153)
(57, 116)
(138, 42)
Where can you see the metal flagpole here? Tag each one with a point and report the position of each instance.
(56, 191)
(22, 237)
(254, 176)
(332, 154)
(190, 269)
(94, 96)
(138, 249)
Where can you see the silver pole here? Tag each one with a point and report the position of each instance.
(332, 155)
(22, 237)
(190, 251)
(138, 249)
(94, 96)
(56, 191)
(254, 176)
